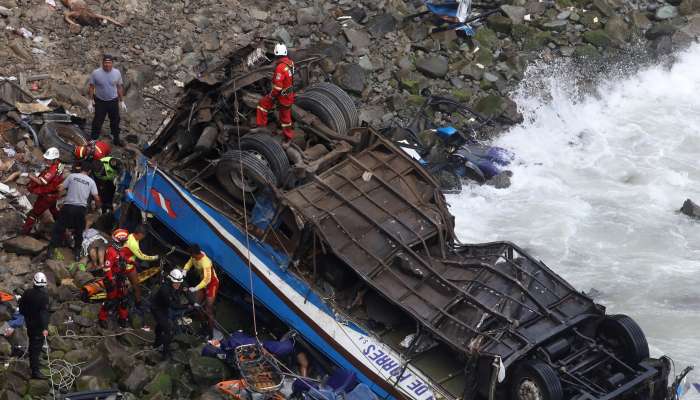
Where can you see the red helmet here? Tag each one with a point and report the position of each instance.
(81, 152)
(102, 149)
(120, 235)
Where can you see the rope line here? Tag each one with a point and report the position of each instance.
(245, 217)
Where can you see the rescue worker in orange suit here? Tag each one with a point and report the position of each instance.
(46, 187)
(209, 284)
(132, 254)
(115, 276)
(95, 149)
(282, 91)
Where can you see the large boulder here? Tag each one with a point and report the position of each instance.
(38, 388)
(691, 209)
(137, 379)
(382, 24)
(659, 30)
(161, 384)
(617, 30)
(666, 12)
(515, 13)
(350, 77)
(59, 269)
(206, 370)
(88, 383)
(359, 40)
(24, 245)
(433, 66)
(598, 38)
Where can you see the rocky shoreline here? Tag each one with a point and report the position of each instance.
(373, 53)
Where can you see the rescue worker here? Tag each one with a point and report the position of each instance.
(95, 150)
(46, 187)
(209, 284)
(132, 254)
(106, 170)
(34, 306)
(115, 281)
(282, 91)
(79, 187)
(165, 304)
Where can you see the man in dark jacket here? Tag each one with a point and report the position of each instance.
(34, 305)
(164, 304)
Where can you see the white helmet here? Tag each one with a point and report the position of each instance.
(280, 49)
(176, 275)
(39, 279)
(51, 154)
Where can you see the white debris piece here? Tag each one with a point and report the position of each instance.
(179, 83)
(25, 203)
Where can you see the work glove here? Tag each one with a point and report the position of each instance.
(192, 289)
(91, 106)
(123, 106)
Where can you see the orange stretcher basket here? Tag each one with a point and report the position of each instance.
(95, 290)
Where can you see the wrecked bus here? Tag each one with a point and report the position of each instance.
(349, 241)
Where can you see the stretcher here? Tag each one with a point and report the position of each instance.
(95, 289)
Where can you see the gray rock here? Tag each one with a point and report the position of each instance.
(9, 395)
(365, 63)
(358, 39)
(308, 15)
(662, 46)
(500, 23)
(689, 7)
(8, 3)
(604, 7)
(88, 382)
(59, 269)
(660, 30)
(692, 28)
(500, 181)
(350, 77)
(557, 25)
(564, 15)
(137, 379)
(24, 245)
(433, 66)
(690, 209)
(640, 20)
(382, 24)
(38, 388)
(211, 41)
(598, 38)
(5, 347)
(515, 13)
(331, 27)
(491, 77)
(617, 30)
(358, 14)
(259, 15)
(567, 51)
(206, 370)
(666, 12)
(282, 34)
(5, 12)
(162, 384)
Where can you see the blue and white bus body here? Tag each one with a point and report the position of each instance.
(284, 294)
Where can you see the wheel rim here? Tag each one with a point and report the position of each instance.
(528, 390)
(243, 183)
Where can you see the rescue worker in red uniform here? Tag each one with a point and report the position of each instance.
(46, 187)
(95, 149)
(282, 91)
(115, 277)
